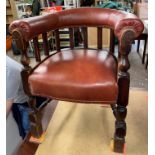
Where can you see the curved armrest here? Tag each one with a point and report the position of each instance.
(115, 19)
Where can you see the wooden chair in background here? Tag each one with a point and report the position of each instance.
(141, 10)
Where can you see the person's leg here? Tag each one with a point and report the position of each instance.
(24, 112)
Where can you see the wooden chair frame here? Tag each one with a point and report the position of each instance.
(126, 30)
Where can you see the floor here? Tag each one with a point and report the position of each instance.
(86, 129)
(139, 80)
(138, 73)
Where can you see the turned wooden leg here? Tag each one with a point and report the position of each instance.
(34, 115)
(119, 109)
(120, 112)
(35, 119)
(120, 129)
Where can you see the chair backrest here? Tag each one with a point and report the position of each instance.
(119, 22)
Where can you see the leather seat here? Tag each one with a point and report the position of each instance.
(63, 76)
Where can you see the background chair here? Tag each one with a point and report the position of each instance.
(141, 10)
(80, 75)
(143, 36)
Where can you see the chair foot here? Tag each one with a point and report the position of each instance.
(120, 113)
(118, 145)
(35, 120)
(35, 124)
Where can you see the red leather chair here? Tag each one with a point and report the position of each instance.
(80, 75)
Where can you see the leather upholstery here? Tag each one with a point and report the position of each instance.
(77, 75)
(115, 19)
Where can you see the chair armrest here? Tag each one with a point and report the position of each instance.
(115, 19)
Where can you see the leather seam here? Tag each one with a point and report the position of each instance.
(82, 101)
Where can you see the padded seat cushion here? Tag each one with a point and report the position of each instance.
(77, 75)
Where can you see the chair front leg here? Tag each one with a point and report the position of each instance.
(35, 119)
(120, 113)
(120, 130)
(35, 115)
(120, 110)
